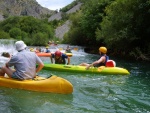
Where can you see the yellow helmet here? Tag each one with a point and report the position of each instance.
(47, 47)
(31, 49)
(103, 49)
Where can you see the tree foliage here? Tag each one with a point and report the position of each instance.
(33, 31)
(121, 25)
(15, 33)
(93, 12)
(4, 35)
(87, 21)
(126, 25)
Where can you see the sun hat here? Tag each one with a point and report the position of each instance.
(20, 45)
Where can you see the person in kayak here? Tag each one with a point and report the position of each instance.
(6, 54)
(47, 50)
(38, 50)
(68, 50)
(24, 63)
(101, 61)
(60, 58)
(5, 58)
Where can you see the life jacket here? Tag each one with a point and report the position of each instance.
(102, 64)
(60, 60)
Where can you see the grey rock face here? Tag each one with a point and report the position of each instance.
(23, 7)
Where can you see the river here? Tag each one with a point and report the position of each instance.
(93, 93)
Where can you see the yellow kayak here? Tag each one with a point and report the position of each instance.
(52, 84)
(69, 54)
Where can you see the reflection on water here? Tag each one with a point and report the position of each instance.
(92, 93)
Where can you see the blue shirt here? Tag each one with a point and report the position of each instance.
(24, 63)
(47, 51)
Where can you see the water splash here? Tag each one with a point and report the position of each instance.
(7, 45)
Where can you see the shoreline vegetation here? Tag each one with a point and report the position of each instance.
(121, 54)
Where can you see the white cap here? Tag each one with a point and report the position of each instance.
(20, 45)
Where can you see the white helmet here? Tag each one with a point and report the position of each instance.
(20, 45)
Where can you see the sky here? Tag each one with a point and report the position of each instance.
(54, 4)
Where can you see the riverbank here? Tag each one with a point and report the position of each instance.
(121, 54)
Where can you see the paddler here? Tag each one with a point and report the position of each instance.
(24, 63)
(68, 50)
(59, 58)
(47, 50)
(101, 61)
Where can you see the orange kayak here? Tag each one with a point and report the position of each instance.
(43, 54)
(49, 54)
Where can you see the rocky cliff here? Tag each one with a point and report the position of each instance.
(58, 16)
(32, 8)
(61, 30)
(22, 8)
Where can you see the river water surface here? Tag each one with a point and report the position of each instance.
(93, 93)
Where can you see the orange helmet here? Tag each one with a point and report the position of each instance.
(103, 49)
(58, 53)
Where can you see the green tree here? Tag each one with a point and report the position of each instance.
(93, 12)
(26, 28)
(29, 24)
(126, 26)
(86, 21)
(15, 33)
(4, 35)
(39, 39)
(10, 23)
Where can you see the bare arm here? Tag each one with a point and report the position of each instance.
(102, 59)
(51, 59)
(40, 66)
(7, 65)
(68, 61)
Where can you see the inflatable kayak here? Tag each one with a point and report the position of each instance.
(69, 54)
(81, 69)
(52, 84)
(43, 54)
(49, 54)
